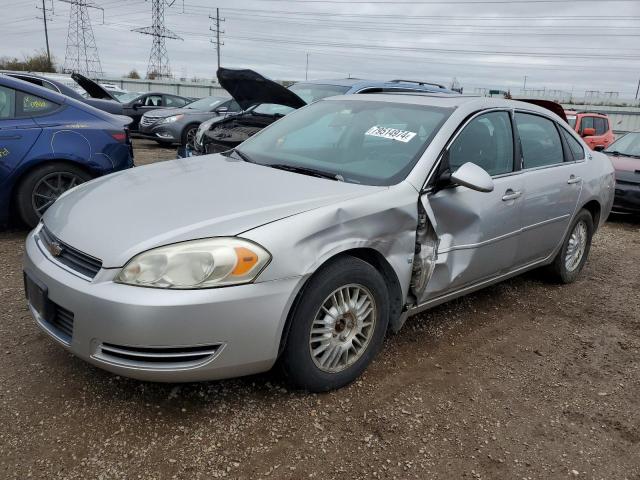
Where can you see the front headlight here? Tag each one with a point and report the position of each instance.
(171, 119)
(214, 262)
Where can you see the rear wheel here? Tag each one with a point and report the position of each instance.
(571, 258)
(338, 326)
(42, 186)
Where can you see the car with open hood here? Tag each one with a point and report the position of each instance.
(264, 101)
(313, 238)
(179, 125)
(94, 93)
(624, 154)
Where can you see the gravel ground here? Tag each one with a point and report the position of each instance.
(525, 379)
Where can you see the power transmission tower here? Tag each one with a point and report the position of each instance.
(217, 31)
(45, 12)
(158, 58)
(82, 54)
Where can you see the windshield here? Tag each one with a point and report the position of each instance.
(374, 143)
(127, 97)
(309, 92)
(572, 121)
(205, 104)
(627, 145)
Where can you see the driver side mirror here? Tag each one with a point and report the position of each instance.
(588, 132)
(474, 177)
(137, 104)
(221, 110)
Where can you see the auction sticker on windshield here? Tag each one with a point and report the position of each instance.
(390, 133)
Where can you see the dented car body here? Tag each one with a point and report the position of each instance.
(436, 195)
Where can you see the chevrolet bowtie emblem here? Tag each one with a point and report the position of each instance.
(55, 249)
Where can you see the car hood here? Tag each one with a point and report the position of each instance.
(118, 216)
(94, 89)
(249, 88)
(169, 112)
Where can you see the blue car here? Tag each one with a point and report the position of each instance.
(50, 143)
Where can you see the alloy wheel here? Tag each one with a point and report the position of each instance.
(576, 246)
(342, 328)
(50, 187)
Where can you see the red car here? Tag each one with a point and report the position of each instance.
(594, 127)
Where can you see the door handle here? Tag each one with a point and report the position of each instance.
(510, 195)
(573, 179)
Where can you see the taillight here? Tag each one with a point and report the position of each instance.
(119, 136)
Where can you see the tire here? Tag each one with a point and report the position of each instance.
(189, 134)
(49, 180)
(346, 277)
(566, 268)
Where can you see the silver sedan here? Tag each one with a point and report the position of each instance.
(312, 239)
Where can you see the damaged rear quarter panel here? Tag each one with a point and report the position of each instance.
(384, 221)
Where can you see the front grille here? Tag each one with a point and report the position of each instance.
(157, 357)
(146, 121)
(69, 256)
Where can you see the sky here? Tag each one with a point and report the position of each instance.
(568, 45)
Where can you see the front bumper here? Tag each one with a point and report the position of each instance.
(627, 197)
(166, 132)
(162, 335)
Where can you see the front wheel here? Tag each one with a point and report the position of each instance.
(571, 258)
(338, 326)
(42, 186)
(189, 136)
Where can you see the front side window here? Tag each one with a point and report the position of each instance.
(368, 142)
(7, 102)
(540, 141)
(486, 141)
(32, 105)
(586, 122)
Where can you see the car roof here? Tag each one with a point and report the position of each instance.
(28, 87)
(360, 83)
(446, 100)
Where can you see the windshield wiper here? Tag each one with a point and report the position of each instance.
(243, 156)
(307, 171)
(616, 153)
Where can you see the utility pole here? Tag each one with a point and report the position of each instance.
(306, 70)
(524, 87)
(217, 31)
(46, 31)
(638, 90)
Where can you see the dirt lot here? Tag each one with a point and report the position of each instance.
(523, 380)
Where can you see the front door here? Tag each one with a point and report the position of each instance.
(477, 232)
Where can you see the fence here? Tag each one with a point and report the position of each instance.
(183, 88)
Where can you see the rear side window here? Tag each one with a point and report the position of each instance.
(600, 125)
(540, 141)
(7, 102)
(32, 105)
(486, 141)
(577, 152)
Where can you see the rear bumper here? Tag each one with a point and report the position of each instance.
(161, 335)
(627, 198)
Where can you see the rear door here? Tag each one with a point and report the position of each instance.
(551, 163)
(18, 132)
(478, 232)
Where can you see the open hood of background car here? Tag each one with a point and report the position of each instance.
(92, 88)
(249, 88)
(548, 104)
